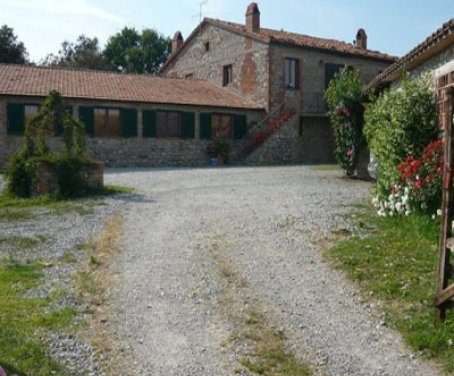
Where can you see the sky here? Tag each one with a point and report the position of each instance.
(392, 26)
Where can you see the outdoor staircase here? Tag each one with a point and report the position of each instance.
(258, 135)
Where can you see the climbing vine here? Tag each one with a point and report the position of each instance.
(51, 119)
(343, 98)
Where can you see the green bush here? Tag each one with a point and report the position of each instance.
(400, 123)
(19, 176)
(343, 98)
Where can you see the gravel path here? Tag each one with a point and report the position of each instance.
(265, 223)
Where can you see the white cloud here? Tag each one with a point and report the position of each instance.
(43, 25)
(62, 7)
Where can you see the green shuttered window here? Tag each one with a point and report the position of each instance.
(128, 122)
(205, 126)
(188, 125)
(149, 123)
(86, 116)
(239, 126)
(15, 118)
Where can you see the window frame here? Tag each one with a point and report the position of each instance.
(291, 73)
(106, 121)
(180, 124)
(227, 75)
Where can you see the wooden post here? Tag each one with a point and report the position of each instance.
(444, 293)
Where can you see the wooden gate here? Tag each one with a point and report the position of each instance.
(445, 291)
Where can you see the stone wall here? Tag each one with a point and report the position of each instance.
(436, 62)
(134, 151)
(309, 98)
(46, 182)
(249, 59)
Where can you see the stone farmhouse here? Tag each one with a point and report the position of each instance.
(261, 89)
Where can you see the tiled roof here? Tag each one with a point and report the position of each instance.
(440, 39)
(286, 38)
(300, 40)
(23, 80)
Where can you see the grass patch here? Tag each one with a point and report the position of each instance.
(22, 242)
(396, 260)
(116, 189)
(326, 167)
(92, 281)
(17, 209)
(262, 347)
(24, 321)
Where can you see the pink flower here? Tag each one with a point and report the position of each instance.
(349, 152)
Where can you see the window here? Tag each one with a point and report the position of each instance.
(207, 46)
(189, 76)
(168, 124)
(330, 71)
(107, 122)
(227, 75)
(30, 110)
(19, 116)
(221, 126)
(291, 73)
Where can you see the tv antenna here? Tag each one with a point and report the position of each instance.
(199, 15)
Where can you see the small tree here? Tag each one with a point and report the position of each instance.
(52, 118)
(399, 124)
(343, 97)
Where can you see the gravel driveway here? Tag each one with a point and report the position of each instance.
(265, 224)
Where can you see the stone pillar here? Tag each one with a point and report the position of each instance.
(197, 126)
(140, 123)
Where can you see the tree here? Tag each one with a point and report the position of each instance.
(85, 53)
(131, 52)
(11, 50)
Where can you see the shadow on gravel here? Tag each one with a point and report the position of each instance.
(134, 197)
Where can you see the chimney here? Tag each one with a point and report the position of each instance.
(361, 39)
(253, 18)
(177, 41)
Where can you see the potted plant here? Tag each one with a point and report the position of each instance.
(219, 149)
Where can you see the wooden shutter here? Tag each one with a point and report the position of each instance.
(239, 126)
(128, 118)
(148, 123)
(297, 73)
(205, 126)
(86, 116)
(187, 125)
(15, 118)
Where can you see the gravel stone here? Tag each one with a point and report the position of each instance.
(268, 223)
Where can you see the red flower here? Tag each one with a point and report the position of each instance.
(349, 152)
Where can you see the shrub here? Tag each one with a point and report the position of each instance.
(19, 176)
(419, 187)
(343, 98)
(219, 149)
(400, 123)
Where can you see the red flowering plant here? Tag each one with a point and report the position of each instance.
(343, 98)
(419, 186)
